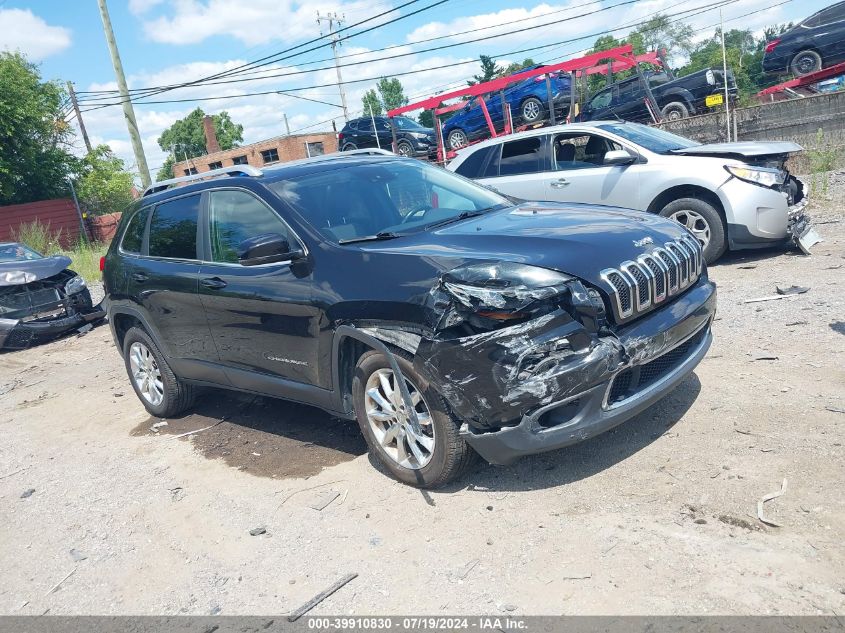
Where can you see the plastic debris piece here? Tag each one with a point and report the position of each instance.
(769, 497)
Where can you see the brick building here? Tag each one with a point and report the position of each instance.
(275, 150)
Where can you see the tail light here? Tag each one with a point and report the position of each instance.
(340, 136)
(102, 264)
(771, 45)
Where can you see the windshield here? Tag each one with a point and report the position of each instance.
(650, 138)
(17, 253)
(368, 198)
(404, 123)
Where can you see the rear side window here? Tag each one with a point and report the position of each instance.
(522, 157)
(133, 238)
(827, 16)
(173, 229)
(475, 165)
(236, 216)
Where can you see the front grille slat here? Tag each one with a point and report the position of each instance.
(635, 286)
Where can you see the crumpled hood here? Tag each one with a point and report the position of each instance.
(577, 239)
(747, 149)
(24, 272)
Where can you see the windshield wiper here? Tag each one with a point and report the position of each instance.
(464, 215)
(384, 235)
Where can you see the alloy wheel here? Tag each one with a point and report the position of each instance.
(349, 147)
(457, 139)
(530, 110)
(145, 373)
(404, 149)
(695, 223)
(411, 446)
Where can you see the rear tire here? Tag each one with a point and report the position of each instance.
(675, 110)
(705, 222)
(348, 147)
(532, 110)
(805, 62)
(450, 456)
(155, 384)
(457, 139)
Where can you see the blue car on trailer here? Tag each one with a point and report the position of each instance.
(528, 100)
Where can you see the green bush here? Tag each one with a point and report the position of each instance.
(85, 257)
(39, 236)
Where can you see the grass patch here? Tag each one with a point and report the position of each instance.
(85, 257)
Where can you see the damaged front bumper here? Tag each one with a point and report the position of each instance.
(22, 333)
(801, 231)
(547, 384)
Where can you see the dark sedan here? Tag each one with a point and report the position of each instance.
(817, 42)
(40, 297)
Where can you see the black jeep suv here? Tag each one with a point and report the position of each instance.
(412, 139)
(445, 319)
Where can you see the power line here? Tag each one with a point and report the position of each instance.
(256, 64)
(441, 67)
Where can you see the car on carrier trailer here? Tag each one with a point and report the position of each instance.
(444, 318)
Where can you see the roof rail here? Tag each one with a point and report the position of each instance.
(234, 170)
(372, 151)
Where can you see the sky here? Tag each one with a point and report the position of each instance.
(166, 42)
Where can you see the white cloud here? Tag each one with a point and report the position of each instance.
(21, 29)
(139, 7)
(255, 22)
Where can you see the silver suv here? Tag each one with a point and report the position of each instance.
(729, 195)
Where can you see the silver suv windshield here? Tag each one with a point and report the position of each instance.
(383, 199)
(652, 139)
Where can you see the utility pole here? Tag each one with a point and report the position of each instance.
(287, 125)
(128, 110)
(78, 116)
(334, 24)
(725, 70)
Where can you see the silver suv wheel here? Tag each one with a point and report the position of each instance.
(146, 374)
(391, 423)
(696, 223)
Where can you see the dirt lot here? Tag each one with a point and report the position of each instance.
(655, 517)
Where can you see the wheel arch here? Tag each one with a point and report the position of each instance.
(688, 191)
(678, 94)
(123, 319)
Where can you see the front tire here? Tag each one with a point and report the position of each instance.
(532, 110)
(675, 111)
(703, 220)
(457, 139)
(155, 384)
(403, 148)
(805, 62)
(428, 458)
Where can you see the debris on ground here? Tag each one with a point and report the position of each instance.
(26, 494)
(765, 358)
(323, 499)
(729, 519)
(769, 497)
(85, 329)
(464, 572)
(293, 617)
(834, 409)
(76, 555)
(59, 584)
(792, 290)
(578, 576)
(258, 530)
(205, 428)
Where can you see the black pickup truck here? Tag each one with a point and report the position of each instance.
(676, 97)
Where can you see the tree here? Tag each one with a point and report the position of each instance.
(34, 158)
(660, 32)
(392, 93)
(371, 103)
(187, 136)
(515, 67)
(104, 186)
(426, 118)
(489, 70)
(165, 172)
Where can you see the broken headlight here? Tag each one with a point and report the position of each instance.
(763, 176)
(74, 285)
(503, 291)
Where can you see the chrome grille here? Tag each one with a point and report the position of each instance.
(636, 286)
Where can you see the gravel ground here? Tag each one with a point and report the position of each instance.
(107, 511)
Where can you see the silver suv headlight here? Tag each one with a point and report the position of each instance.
(74, 285)
(763, 176)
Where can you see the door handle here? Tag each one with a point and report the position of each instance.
(214, 283)
(560, 183)
(140, 277)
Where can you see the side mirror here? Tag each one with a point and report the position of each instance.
(266, 249)
(618, 157)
